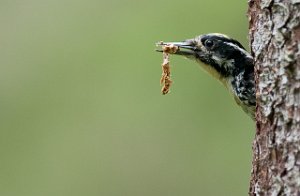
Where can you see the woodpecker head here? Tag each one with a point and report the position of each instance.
(225, 59)
(218, 54)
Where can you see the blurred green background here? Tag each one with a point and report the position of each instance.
(81, 108)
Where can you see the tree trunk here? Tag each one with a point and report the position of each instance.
(275, 45)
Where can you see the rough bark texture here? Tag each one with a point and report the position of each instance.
(275, 45)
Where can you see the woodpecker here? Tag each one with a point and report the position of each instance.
(225, 59)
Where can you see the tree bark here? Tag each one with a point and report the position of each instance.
(275, 46)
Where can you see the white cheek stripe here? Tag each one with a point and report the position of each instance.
(240, 49)
(224, 62)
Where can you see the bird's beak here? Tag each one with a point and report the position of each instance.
(185, 48)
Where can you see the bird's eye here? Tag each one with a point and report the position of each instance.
(208, 43)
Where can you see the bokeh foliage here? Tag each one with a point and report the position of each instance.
(81, 108)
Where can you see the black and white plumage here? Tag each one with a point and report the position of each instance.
(228, 61)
